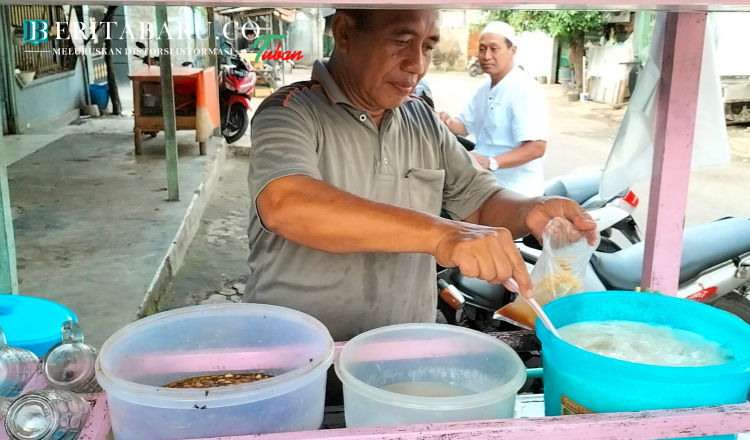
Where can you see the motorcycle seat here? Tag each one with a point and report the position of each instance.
(579, 186)
(703, 247)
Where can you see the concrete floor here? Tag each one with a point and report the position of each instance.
(92, 223)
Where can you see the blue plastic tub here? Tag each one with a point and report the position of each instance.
(99, 95)
(33, 323)
(577, 381)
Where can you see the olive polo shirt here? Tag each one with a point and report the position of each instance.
(310, 128)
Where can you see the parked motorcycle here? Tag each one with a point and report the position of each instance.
(473, 66)
(147, 59)
(237, 80)
(714, 269)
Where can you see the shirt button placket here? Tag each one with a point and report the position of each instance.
(363, 117)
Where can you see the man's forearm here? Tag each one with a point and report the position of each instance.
(457, 127)
(522, 154)
(320, 216)
(507, 209)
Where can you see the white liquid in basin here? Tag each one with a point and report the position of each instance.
(645, 343)
(428, 389)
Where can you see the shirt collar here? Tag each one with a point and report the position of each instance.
(321, 74)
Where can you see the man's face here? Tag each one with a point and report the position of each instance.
(389, 57)
(495, 56)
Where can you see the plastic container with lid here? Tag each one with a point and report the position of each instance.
(427, 373)
(136, 363)
(32, 323)
(69, 365)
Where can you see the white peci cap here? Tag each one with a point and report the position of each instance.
(500, 28)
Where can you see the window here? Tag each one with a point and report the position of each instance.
(42, 58)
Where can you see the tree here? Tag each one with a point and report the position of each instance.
(567, 26)
(114, 93)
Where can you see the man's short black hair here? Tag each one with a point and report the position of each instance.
(361, 17)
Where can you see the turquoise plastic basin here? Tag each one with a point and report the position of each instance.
(579, 381)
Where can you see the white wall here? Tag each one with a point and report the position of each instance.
(732, 54)
(535, 52)
(306, 35)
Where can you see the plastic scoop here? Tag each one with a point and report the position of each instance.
(537, 308)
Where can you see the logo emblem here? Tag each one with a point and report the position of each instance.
(35, 31)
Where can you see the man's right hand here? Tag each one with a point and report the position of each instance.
(483, 252)
(446, 118)
(454, 125)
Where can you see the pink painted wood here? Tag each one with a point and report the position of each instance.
(601, 5)
(643, 425)
(673, 146)
(620, 426)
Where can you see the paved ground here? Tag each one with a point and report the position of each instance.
(92, 223)
(581, 134)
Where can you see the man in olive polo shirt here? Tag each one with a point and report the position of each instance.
(348, 175)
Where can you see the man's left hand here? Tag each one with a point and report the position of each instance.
(550, 207)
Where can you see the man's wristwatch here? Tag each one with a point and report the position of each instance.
(493, 163)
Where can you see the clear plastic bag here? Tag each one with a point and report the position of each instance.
(560, 270)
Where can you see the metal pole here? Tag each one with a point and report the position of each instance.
(8, 269)
(168, 112)
(213, 58)
(8, 67)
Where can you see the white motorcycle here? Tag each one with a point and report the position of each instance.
(715, 264)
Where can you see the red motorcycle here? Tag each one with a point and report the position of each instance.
(236, 86)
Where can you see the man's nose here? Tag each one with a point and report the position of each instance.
(415, 62)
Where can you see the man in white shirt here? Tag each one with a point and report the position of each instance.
(508, 115)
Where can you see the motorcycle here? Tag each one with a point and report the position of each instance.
(473, 66)
(147, 59)
(714, 269)
(237, 80)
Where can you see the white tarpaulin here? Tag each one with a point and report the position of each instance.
(632, 152)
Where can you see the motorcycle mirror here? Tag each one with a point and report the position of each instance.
(140, 45)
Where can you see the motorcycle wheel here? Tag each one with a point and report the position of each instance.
(483, 320)
(475, 70)
(236, 123)
(734, 303)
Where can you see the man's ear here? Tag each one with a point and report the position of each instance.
(342, 27)
(513, 49)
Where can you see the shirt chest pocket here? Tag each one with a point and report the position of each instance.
(426, 189)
